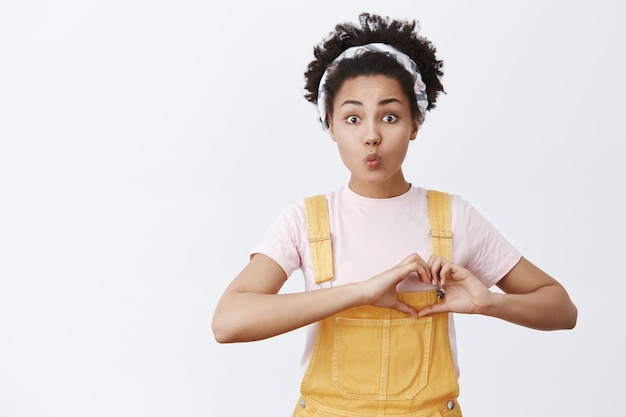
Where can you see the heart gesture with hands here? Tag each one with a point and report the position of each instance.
(380, 291)
(464, 292)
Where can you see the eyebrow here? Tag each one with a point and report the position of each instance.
(380, 103)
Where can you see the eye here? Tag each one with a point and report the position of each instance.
(352, 119)
(390, 118)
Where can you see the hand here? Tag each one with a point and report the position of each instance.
(380, 291)
(464, 292)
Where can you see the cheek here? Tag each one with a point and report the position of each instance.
(406, 147)
(343, 149)
(348, 152)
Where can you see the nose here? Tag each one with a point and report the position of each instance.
(372, 141)
(371, 136)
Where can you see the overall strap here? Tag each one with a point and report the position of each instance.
(319, 231)
(440, 223)
(319, 237)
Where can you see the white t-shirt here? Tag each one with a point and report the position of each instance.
(371, 235)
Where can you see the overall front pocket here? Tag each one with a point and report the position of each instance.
(381, 359)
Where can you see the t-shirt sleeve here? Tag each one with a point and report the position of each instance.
(282, 241)
(490, 255)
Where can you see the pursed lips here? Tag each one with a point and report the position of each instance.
(372, 161)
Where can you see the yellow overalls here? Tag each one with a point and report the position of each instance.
(372, 361)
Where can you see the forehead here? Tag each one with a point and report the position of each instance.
(370, 87)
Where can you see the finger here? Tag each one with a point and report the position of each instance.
(423, 272)
(416, 264)
(414, 257)
(449, 271)
(445, 271)
(435, 265)
(406, 309)
(435, 261)
(432, 309)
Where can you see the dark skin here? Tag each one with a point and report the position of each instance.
(251, 307)
(531, 297)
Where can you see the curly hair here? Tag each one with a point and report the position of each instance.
(400, 34)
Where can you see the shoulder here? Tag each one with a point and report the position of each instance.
(457, 202)
(296, 212)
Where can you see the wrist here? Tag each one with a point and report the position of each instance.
(491, 307)
(359, 290)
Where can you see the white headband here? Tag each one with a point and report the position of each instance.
(419, 87)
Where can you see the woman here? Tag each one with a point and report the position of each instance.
(376, 305)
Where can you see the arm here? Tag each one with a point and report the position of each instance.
(251, 308)
(531, 297)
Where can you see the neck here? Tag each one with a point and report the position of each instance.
(380, 190)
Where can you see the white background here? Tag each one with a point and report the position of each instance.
(146, 145)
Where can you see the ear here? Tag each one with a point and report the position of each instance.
(415, 129)
(331, 131)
